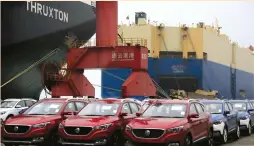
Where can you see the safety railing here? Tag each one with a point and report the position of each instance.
(123, 42)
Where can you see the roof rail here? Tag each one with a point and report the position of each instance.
(189, 100)
(225, 100)
(130, 99)
(27, 99)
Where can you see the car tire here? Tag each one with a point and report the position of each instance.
(237, 132)
(224, 136)
(209, 141)
(249, 129)
(187, 140)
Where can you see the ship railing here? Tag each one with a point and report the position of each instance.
(120, 42)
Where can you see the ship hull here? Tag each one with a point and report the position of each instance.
(29, 34)
(187, 75)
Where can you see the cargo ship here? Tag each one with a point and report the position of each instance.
(190, 59)
(36, 32)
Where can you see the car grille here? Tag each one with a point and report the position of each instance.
(153, 133)
(75, 131)
(16, 128)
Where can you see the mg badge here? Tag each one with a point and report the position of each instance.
(147, 133)
(16, 128)
(77, 130)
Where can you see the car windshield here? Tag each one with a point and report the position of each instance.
(213, 108)
(240, 106)
(99, 109)
(45, 108)
(165, 110)
(8, 104)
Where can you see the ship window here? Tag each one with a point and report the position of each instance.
(170, 54)
(191, 54)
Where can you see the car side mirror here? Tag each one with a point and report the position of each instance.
(18, 106)
(194, 115)
(123, 114)
(227, 112)
(138, 114)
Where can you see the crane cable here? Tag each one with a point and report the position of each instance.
(31, 66)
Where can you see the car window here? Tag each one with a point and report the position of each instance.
(29, 103)
(134, 107)
(21, 103)
(126, 108)
(193, 109)
(230, 106)
(199, 108)
(249, 105)
(226, 107)
(80, 105)
(70, 107)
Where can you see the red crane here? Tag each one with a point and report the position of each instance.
(107, 54)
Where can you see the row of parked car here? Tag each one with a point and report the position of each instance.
(118, 122)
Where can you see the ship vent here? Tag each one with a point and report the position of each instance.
(205, 56)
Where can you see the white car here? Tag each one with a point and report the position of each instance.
(12, 107)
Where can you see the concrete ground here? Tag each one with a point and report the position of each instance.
(244, 141)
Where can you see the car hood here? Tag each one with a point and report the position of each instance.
(31, 119)
(89, 120)
(163, 123)
(216, 117)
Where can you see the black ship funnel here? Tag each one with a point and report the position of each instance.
(139, 15)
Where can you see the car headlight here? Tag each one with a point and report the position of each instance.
(60, 126)
(175, 129)
(128, 128)
(41, 125)
(102, 127)
(217, 122)
(2, 113)
(244, 117)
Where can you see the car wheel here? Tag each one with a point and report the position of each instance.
(224, 136)
(249, 132)
(237, 132)
(187, 141)
(209, 141)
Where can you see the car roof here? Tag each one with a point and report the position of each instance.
(12, 99)
(117, 100)
(241, 101)
(212, 101)
(63, 99)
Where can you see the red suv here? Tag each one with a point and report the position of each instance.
(171, 123)
(101, 122)
(38, 125)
